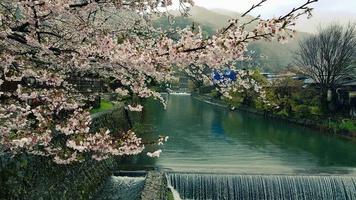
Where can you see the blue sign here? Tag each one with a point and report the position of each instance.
(225, 75)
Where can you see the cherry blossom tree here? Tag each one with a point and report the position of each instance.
(44, 42)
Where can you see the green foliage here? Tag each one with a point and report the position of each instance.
(343, 125)
(315, 110)
(213, 93)
(191, 85)
(283, 113)
(249, 97)
(13, 179)
(236, 99)
(291, 99)
(259, 78)
(348, 125)
(302, 111)
(208, 90)
(104, 105)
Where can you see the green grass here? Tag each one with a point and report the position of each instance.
(348, 125)
(104, 105)
(342, 125)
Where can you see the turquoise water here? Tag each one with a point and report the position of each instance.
(211, 139)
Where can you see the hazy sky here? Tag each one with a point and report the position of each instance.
(326, 11)
(278, 7)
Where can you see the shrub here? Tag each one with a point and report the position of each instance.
(348, 125)
(302, 111)
(213, 93)
(283, 113)
(235, 101)
(315, 110)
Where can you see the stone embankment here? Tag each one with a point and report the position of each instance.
(155, 186)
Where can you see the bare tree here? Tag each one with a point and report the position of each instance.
(327, 57)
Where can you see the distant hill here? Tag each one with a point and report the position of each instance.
(207, 17)
(216, 19)
(226, 12)
(273, 57)
(276, 56)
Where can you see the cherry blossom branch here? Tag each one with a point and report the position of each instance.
(294, 10)
(243, 15)
(251, 21)
(253, 7)
(54, 41)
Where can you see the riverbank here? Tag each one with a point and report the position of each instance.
(35, 177)
(319, 125)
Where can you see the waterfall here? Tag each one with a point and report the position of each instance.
(262, 187)
(122, 188)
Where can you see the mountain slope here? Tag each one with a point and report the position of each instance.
(276, 56)
(273, 56)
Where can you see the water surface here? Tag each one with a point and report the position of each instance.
(212, 139)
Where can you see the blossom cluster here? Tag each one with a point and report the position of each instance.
(43, 43)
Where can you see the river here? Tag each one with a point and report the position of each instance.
(211, 139)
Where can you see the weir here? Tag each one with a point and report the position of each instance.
(216, 154)
(122, 188)
(266, 187)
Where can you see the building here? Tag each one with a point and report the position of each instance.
(345, 95)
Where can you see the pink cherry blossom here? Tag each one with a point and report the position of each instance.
(46, 43)
(155, 154)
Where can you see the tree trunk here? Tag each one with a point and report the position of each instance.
(334, 104)
(128, 118)
(324, 104)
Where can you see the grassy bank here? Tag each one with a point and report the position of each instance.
(339, 126)
(104, 105)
